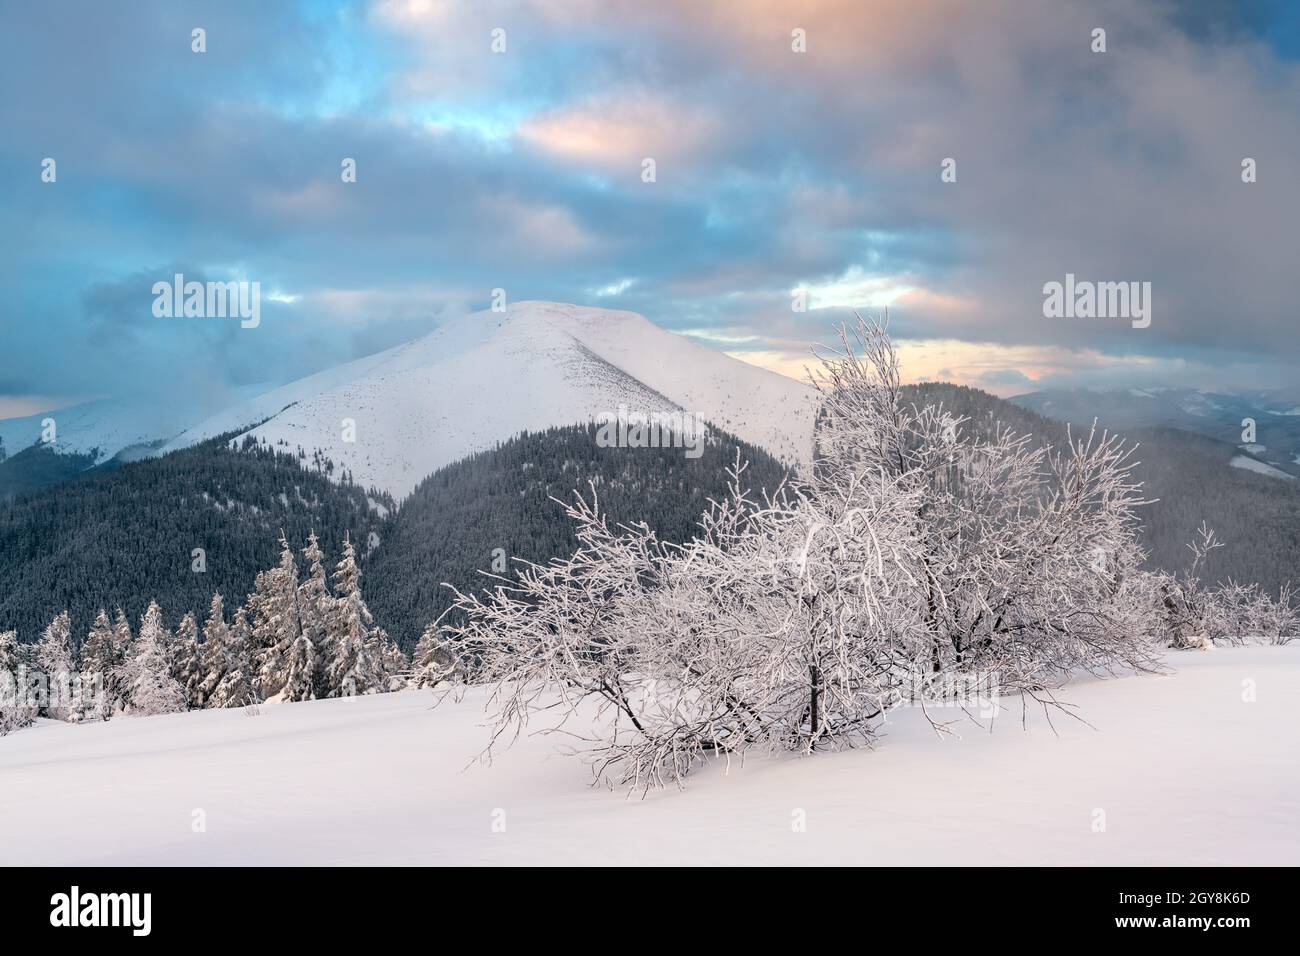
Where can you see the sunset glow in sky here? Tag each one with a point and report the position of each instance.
(778, 173)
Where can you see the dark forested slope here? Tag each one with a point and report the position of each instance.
(126, 534)
(450, 527)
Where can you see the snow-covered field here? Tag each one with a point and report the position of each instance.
(1185, 768)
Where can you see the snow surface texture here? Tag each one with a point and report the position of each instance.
(483, 378)
(1186, 771)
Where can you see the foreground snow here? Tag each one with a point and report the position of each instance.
(1185, 770)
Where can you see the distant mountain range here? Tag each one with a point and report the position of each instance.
(1190, 478)
(390, 419)
(1275, 450)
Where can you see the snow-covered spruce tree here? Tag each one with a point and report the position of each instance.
(57, 671)
(315, 604)
(300, 671)
(185, 663)
(17, 709)
(150, 688)
(123, 641)
(232, 680)
(914, 552)
(356, 664)
(277, 623)
(306, 670)
(101, 662)
(213, 653)
(210, 659)
(123, 636)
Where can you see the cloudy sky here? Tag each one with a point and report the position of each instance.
(776, 172)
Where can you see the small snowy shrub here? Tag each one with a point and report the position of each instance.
(1197, 617)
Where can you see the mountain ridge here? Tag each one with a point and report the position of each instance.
(1262, 425)
(482, 378)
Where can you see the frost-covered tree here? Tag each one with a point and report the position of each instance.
(17, 709)
(356, 664)
(122, 633)
(185, 661)
(234, 685)
(305, 667)
(1188, 616)
(914, 554)
(300, 671)
(101, 661)
(212, 657)
(57, 670)
(781, 626)
(315, 605)
(150, 688)
(1244, 614)
(1026, 557)
(276, 624)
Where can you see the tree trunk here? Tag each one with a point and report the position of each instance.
(815, 683)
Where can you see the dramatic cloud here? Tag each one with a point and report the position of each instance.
(780, 176)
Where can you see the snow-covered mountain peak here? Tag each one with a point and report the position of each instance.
(392, 418)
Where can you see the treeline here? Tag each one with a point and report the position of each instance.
(298, 636)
